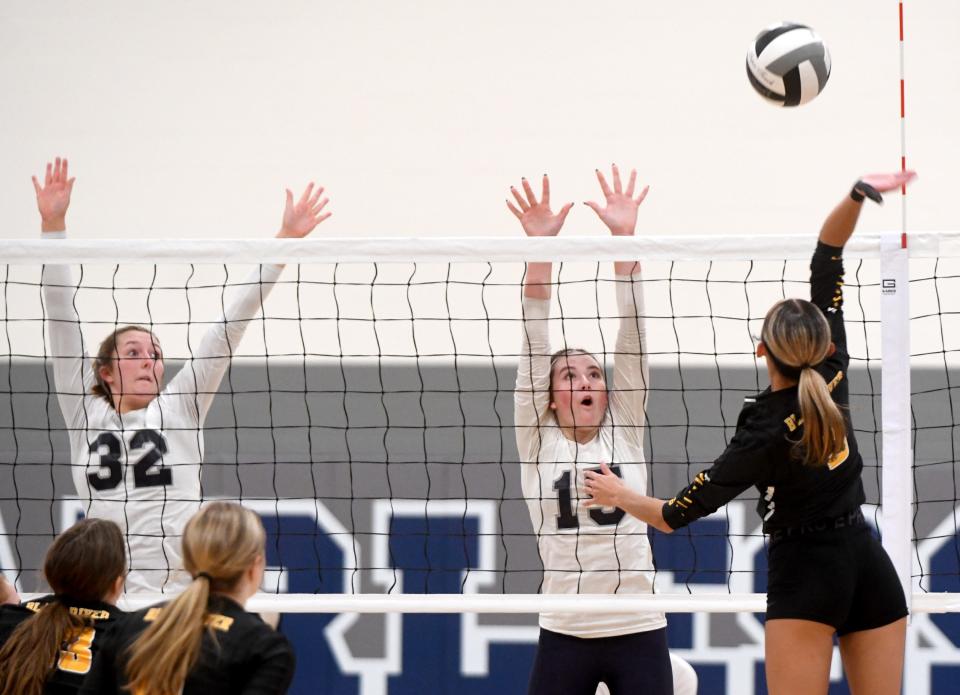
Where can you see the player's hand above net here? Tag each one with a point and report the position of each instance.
(300, 218)
(53, 197)
(620, 211)
(536, 217)
(889, 182)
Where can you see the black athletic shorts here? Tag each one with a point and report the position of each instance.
(836, 573)
(628, 664)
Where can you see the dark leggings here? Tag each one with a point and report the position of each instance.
(628, 664)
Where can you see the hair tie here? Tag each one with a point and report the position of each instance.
(206, 576)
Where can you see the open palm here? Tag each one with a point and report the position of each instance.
(620, 211)
(300, 218)
(537, 218)
(53, 197)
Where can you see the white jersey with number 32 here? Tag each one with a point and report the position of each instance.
(142, 469)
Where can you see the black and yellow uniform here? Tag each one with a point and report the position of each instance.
(239, 654)
(77, 656)
(822, 555)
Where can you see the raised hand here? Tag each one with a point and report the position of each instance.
(620, 212)
(884, 183)
(301, 218)
(53, 197)
(536, 217)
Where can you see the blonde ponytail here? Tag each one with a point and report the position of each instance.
(221, 542)
(163, 655)
(797, 339)
(824, 429)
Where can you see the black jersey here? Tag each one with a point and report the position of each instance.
(239, 654)
(77, 657)
(762, 451)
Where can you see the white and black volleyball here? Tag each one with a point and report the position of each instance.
(788, 64)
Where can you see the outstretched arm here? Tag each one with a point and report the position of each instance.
(537, 220)
(531, 396)
(605, 489)
(200, 378)
(71, 370)
(631, 375)
(839, 225)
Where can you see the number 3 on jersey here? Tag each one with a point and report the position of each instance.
(78, 655)
(567, 517)
(148, 470)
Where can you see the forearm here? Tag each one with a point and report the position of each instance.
(536, 280)
(839, 225)
(647, 509)
(631, 377)
(532, 394)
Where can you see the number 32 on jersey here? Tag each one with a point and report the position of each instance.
(148, 469)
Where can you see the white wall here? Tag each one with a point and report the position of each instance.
(188, 118)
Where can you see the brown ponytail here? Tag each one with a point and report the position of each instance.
(106, 353)
(220, 543)
(83, 563)
(797, 338)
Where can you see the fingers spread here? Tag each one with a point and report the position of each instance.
(545, 196)
(631, 183)
(643, 194)
(513, 209)
(519, 198)
(306, 194)
(317, 209)
(617, 188)
(316, 196)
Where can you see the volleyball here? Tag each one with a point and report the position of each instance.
(788, 64)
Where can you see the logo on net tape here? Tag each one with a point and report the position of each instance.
(888, 286)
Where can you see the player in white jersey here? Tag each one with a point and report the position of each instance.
(567, 422)
(137, 446)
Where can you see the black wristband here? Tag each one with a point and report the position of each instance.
(862, 189)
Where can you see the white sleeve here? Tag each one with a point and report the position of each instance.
(631, 375)
(72, 372)
(531, 396)
(198, 381)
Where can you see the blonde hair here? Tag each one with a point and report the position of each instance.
(83, 563)
(220, 543)
(797, 339)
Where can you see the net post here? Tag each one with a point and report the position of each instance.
(897, 458)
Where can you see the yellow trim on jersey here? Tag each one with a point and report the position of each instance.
(214, 621)
(840, 456)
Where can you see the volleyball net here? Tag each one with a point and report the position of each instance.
(367, 414)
